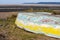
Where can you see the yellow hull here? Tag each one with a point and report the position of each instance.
(40, 28)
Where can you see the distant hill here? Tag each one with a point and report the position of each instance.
(44, 3)
(48, 3)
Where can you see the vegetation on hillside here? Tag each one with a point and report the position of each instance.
(38, 10)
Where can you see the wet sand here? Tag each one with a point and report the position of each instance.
(7, 14)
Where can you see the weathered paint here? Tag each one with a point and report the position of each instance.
(39, 23)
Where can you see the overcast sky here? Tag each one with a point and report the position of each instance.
(25, 1)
